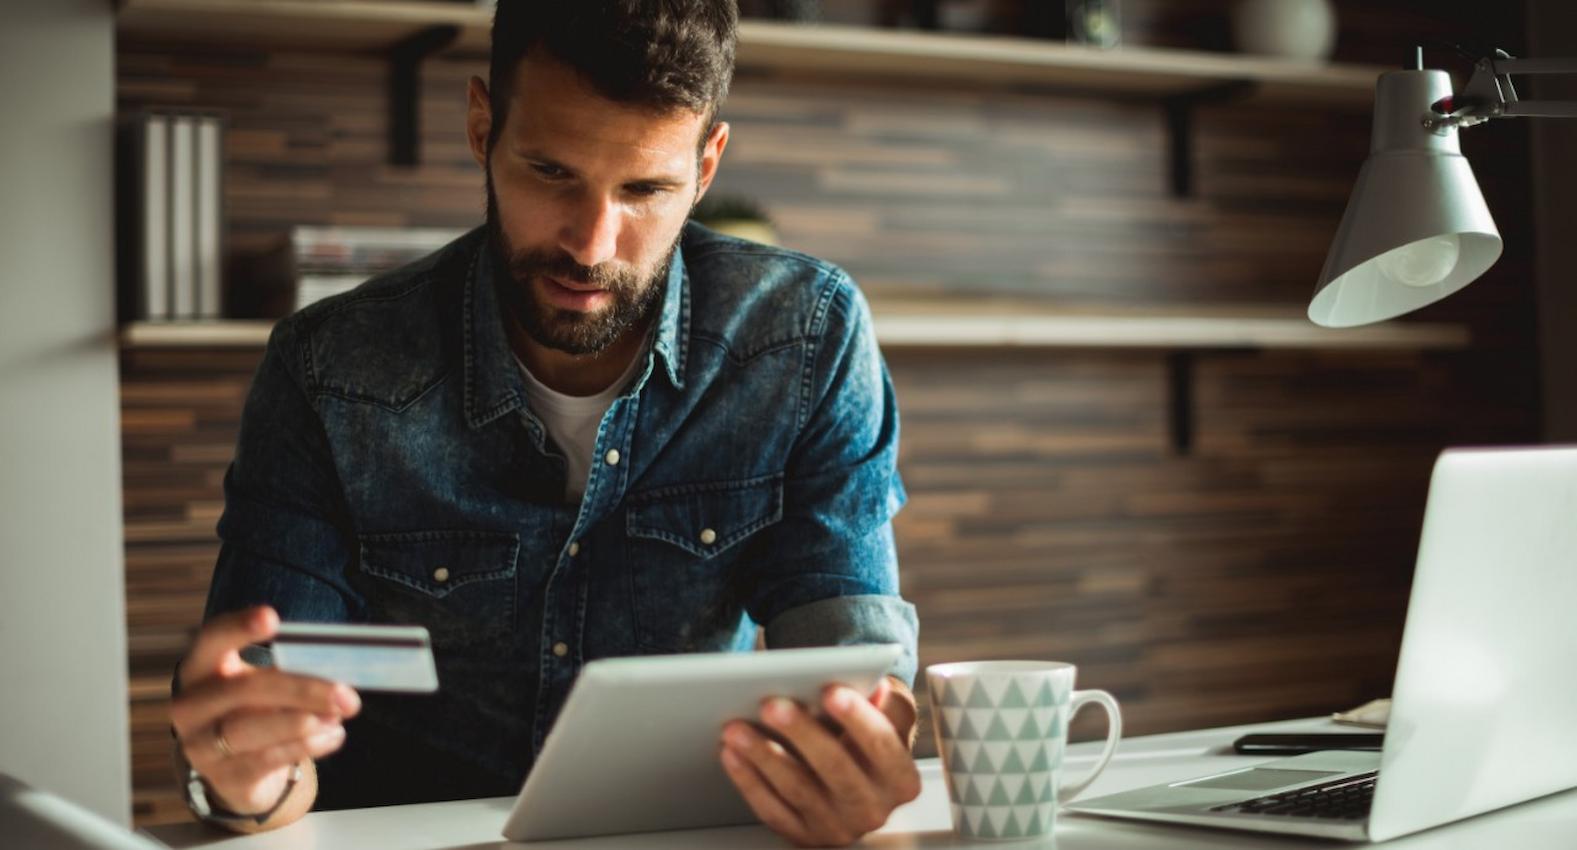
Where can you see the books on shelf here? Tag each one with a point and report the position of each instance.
(323, 261)
(210, 218)
(183, 218)
(171, 215)
(154, 283)
(311, 288)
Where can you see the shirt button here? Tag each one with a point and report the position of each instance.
(574, 549)
(441, 575)
(612, 457)
(561, 649)
(708, 536)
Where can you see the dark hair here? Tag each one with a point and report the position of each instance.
(663, 54)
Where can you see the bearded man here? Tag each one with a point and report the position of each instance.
(588, 428)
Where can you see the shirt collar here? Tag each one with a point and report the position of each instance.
(493, 384)
(673, 324)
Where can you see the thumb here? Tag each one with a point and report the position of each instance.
(217, 648)
(883, 693)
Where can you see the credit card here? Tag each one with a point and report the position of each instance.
(368, 658)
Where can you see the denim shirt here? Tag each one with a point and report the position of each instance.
(389, 469)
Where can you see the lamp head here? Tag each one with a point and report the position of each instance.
(1416, 228)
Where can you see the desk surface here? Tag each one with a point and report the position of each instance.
(476, 824)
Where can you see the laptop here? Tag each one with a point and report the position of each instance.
(40, 820)
(1485, 697)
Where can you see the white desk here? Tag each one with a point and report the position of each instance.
(475, 824)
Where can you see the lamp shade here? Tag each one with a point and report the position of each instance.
(1416, 228)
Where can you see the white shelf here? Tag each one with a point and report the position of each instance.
(843, 51)
(898, 327)
(1157, 332)
(1130, 71)
(222, 333)
(301, 24)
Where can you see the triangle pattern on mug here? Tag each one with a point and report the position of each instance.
(1013, 720)
(998, 735)
(996, 730)
(1012, 697)
(950, 720)
(978, 698)
(965, 751)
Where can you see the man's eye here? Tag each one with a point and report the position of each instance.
(643, 190)
(551, 172)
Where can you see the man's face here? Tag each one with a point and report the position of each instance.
(586, 199)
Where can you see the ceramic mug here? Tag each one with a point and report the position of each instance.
(1001, 729)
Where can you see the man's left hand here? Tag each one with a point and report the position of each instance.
(826, 787)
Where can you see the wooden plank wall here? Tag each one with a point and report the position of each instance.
(1262, 576)
(180, 411)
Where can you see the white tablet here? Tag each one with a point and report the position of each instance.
(635, 748)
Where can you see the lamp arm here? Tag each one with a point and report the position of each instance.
(1540, 109)
(1506, 66)
(1490, 94)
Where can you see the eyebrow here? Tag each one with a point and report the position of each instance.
(659, 181)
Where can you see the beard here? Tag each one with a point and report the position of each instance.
(635, 293)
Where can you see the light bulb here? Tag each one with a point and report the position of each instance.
(1422, 263)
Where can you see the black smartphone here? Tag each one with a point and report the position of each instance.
(1291, 745)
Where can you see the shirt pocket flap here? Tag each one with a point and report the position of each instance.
(706, 519)
(439, 562)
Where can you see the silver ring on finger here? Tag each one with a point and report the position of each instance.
(220, 744)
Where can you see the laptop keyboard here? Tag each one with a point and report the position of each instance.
(1347, 798)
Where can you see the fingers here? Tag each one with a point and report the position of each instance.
(785, 795)
(224, 636)
(822, 781)
(258, 742)
(768, 807)
(251, 731)
(861, 804)
(202, 705)
(871, 732)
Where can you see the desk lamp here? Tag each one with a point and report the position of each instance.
(1416, 228)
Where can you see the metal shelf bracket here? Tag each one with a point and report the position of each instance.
(405, 63)
(1179, 111)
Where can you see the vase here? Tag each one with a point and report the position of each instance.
(1290, 29)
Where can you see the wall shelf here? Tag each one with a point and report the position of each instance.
(927, 325)
(1156, 333)
(222, 333)
(338, 25)
(914, 325)
(844, 51)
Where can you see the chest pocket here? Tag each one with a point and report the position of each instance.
(685, 545)
(459, 584)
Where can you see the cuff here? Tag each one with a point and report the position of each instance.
(846, 620)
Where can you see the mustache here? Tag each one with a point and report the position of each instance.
(528, 264)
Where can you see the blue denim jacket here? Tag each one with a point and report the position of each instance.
(746, 476)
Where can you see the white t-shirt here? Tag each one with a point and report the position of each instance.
(572, 421)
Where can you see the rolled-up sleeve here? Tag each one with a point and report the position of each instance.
(827, 573)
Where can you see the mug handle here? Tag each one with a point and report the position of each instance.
(1114, 732)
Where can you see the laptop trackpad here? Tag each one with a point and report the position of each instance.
(1258, 779)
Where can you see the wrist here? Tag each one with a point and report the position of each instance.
(210, 808)
(902, 710)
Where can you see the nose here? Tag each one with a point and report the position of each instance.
(590, 232)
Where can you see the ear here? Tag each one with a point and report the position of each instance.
(711, 155)
(478, 119)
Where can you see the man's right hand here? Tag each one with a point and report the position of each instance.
(243, 727)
